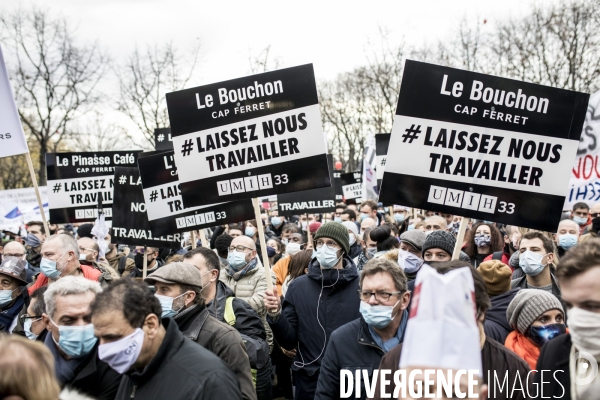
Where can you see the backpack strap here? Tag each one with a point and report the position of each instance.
(229, 315)
(497, 255)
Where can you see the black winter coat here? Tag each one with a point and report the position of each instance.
(351, 347)
(180, 370)
(247, 323)
(297, 326)
(496, 325)
(554, 356)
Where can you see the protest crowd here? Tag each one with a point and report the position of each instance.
(239, 260)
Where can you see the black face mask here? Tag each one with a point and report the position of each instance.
(596, 224)
(139, 261)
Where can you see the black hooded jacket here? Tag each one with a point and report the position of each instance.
(496, 325)
(334, 291)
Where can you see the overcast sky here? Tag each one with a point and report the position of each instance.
(333, 35)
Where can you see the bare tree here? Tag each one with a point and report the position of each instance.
(14, 172)
(263, 62)
(145, 79)
(100, 135)
(54, 78)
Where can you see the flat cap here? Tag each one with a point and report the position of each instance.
(176, 273)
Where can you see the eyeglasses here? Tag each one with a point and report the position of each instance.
(332, 245)
(365, 295)
(13, 255)
(239, 248)
(33, 317)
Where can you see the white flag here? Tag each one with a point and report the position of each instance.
(369, 175)
(12, 137)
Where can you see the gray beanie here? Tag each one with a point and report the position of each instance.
(415, 237)
(528, 305)
(440, 240)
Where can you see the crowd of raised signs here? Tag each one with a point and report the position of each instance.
(353, 290)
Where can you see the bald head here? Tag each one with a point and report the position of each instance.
(435, 223)
(568, 226)
(14, 249)
(88, 243)
(243, 241)
(367, 223)
(595, 209)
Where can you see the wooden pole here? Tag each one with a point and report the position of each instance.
(145, 268)
(460, 237)
(193, 239)
(308, 233)
(37, 192)
(203, 240)
(263, 243)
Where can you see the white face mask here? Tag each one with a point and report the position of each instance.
(584, 327)
(123, 353)
(292, 248)
(352, 238)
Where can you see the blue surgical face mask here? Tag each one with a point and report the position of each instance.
(27, 328)
(250, 231)
(411, 227)
(567, 241)
(276, 221)
(580, 220)
(399, 218)
(6, 297)
(363, 216)
(236, 259)
(76, 341)
(327, 257)
(540, 335)
(338, 219)
(166, 303)
(408, 261)
(377, 316)
(531, 263)
(48, 267)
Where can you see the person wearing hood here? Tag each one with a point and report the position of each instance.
(360, 344)
(566, 236)
(178, 287)
(497, 277)
(536, 255)
(245, 276)
(222, 304)
(315, 305)
(355, 247)
(12, 291)
(536, 317)
(410, 256)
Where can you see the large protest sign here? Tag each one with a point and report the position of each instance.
(482, 147)
(382, 141)
(352, 187)
(163, 139)
(129, 220)
(320, 200)
(164, 206)
(585, 175)
(12, 137)
(76, 180)
(19, 206)
(249, 137)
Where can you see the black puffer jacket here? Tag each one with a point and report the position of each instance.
(496, 325)
(247, 323)
(297, 325)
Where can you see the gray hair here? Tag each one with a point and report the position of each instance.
(377, 265)
(69, 285)
(67, 243)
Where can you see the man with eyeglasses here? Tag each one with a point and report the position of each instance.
(34, 328)
(315, 305)
(89, 253)
(245, 276)
(12, 287)
(360, 344)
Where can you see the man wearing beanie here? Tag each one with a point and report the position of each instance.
(497, 277)
(439, 246)
(537, 317)
(312, 308)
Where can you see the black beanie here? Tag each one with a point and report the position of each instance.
(440, 240)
